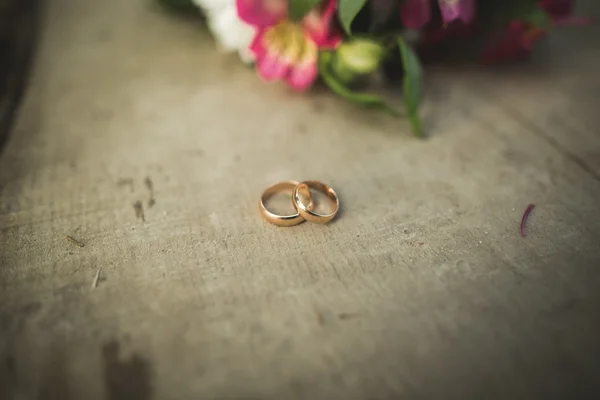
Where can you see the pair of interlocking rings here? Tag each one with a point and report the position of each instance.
(304, 211)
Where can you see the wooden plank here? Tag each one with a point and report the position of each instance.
(422, 288)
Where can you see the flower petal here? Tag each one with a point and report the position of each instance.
(261, 13)
(257, 46)
(318, 22)
(271, 64)
(457, 9)
(301, 77)
(332, 42)
(415, 13)
(272, 67)
(231, 33)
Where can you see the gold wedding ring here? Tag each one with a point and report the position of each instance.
(306, 211)
(282, 220)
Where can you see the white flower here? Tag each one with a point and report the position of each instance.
(231, 32)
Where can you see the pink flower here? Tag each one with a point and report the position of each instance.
(453, 10)
(285, 49)
(519, 38)
(417, 13)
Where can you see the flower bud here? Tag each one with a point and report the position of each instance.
(357, 58)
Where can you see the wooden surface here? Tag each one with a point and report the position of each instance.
(421, 289)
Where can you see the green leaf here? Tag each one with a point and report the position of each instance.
(363, 99)
(348, 10)
(297, 9)
(412, 85)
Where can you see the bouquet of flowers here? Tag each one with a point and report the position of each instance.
(344, 42)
